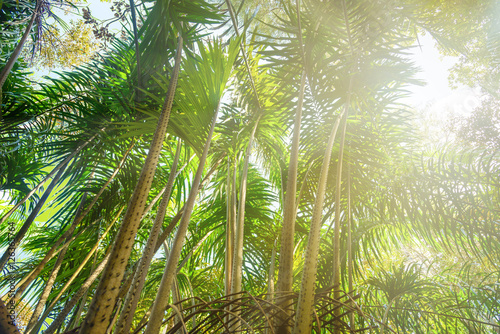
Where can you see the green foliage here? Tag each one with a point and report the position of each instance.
(424, 224)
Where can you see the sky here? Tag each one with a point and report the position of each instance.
(436, 95)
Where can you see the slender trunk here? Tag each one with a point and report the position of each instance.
(166, 232)
(77, 296)
(228, 259)
(54, 171)
(134, 293)
(31, 328)
(67, 235)
(99, 315)
(179, 214)
(113, 321)
(386, 315)
(7, 320)
(31, 218)
(303, 319)
(67, 283)
(176, 297)
(127, 282)
(17, 51)
(336, 235)
(285, 273)
(230, 228)
(349, 245)
(137, 52)
(50, 282)
(70, 322)
(240, 222)
(242, 49)
(176, 294)
(26, 281)
(270, 280)
(159, 195)
(169, 273)
(79, 310)
(270, 285)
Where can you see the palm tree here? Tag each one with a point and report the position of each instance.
(306, 123)
(214, 67)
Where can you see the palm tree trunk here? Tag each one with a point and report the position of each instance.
(134, 293)
(127, 282)
(101, 308)
(67, 283)
(54, 171)
(58, 321)
(162, 297)
(113, 320)
(137, 52)
(17, 51)
(240, 222)
(31, 328)
(303, 319)
(336, 235)
(285, 273)
(176, 297)
(7, 324)
(176, 294)
(270, 284)
(26, 281)
(79, 310)
(69, 232)
(349, 246)
(157, 197)
(179, 214)
(228, 256)
(31, 218)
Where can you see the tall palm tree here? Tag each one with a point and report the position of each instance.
(204, 94)
(406, 234)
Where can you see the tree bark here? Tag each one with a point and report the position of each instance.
(77, 296)
(228, 256)
(240, 222)
(303, 319)
(26, 281)
(270, 285)
(69, 232)
(349, 246)
(134, 292)
(7, 324)
(17, 51)
(67, 284)
(79, 310)
(336, 235)
(285, 273)
(170, 271)
(101, 308)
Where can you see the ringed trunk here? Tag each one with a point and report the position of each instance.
(163, 295)
(101, 308)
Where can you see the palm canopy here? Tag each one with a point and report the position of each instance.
(415, 229)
